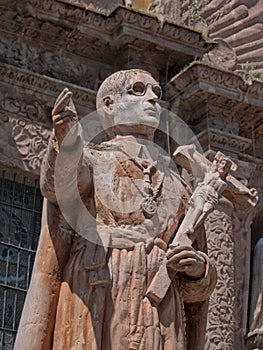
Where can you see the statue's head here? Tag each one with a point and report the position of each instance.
(223, 164)
(128, 103)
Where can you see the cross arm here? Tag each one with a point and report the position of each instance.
(196, 164)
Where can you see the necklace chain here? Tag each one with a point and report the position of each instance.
(149, 192)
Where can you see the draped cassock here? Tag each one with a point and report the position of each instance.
(89, 284)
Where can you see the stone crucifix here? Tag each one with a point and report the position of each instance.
(215, 181)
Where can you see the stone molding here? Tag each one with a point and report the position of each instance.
(202, 92)
(43, 85)
(257, 162)
(230, 143)
(51, 34)
(213, 80)
(110, 24)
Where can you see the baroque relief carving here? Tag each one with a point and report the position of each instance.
(25, 122)
(224, 141)
(39, 84)
(31, 141)
(48, 63)
(31, 110)
(220, 328)
(27, 143)
(88, 18)
(222, 81)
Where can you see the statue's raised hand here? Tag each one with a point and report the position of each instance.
(64, 118)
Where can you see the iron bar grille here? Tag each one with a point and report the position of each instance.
(20, 222)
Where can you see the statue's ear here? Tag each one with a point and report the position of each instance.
(107, 104)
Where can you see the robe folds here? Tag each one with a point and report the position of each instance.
(92, 271)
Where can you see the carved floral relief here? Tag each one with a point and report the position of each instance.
(31, 141)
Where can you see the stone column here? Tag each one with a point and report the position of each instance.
(241, 231)
(255, 336)
(242, 256)
(228, 232)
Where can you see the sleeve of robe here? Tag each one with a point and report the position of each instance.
(196, 293)
(38, 316)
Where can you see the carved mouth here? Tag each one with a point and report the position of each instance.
(151, 110)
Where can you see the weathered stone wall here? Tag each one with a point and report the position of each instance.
(47, 45)
(239, 23)
(216, 104)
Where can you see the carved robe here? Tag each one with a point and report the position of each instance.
(89, 292)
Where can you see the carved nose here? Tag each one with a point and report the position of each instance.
(150, 95)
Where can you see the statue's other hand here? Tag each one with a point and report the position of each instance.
(187, 260)
(64, 117)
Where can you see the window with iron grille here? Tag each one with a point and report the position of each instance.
(20, 222)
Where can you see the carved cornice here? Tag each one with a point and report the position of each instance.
(45, 86)
(88, 33)
(223, 141)
(193, 91)
(257, 161)
(101, 6)
(110, 24)
(213, 80)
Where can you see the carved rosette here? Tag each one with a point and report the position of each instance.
(220, 325)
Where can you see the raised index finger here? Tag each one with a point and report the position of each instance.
(62, 101)
(63, 93)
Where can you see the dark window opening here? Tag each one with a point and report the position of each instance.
(20, 222)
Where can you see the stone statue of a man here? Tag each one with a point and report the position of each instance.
(89, 284)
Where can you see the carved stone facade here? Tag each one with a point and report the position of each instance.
(221, 123)
(47, 45)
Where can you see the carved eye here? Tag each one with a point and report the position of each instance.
(139, 88)
(157, 91)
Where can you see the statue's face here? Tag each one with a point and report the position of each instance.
(222, 166)
(137, 110)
